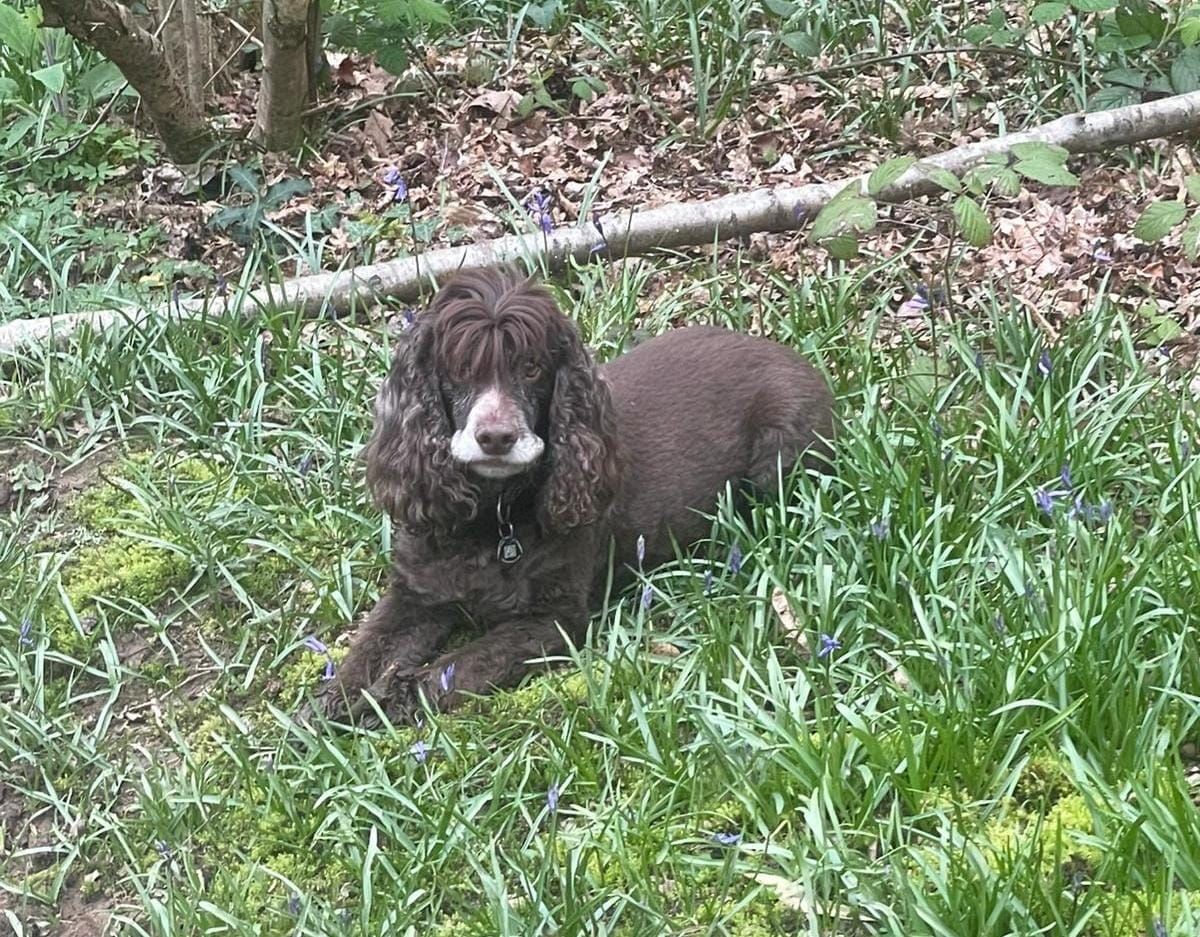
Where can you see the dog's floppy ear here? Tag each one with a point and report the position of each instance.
(410, 471)
(583, 450)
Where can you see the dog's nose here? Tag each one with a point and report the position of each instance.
(496, 441)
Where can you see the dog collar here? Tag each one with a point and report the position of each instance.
(509, 550)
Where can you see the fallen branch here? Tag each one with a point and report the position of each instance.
(623, 234)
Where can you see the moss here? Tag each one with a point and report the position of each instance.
(120, 570)
(1044, 780)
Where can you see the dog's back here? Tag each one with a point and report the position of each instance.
(699, 407)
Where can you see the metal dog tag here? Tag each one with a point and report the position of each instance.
(510, 549)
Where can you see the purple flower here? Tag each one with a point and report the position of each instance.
(552, 798)
(708, 582)
(545, 222)
(998, 623)
(163, 848)
(979, 361)
(408, 318)
(306, 464)
(222, 285)
(880, 528)
(641, 549)
(25, 637)
(1044, 500)
(829, 644)
(391, 175)
(1185, 449)
(916, 303)
(1100, 254)
(1105, 511)
(1065, 475)
(727, 839)
(537, 203)
(317, 646)
(1045, 366)
(419, 751)
(446, 678)
(293, 905)
(936, 425)
(647, 597)
(735, 559)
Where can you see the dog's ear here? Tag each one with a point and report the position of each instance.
(410, 470)
(584, 454)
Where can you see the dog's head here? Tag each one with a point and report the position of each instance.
(492, 387)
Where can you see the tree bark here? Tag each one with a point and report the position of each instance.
(283, 95)
(624, 234)
(110, 28)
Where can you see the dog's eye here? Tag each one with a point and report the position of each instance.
(532, 371)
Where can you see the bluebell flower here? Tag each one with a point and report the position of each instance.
(979, 361)
(446, 678)
(419, 750)
(727, 839)
(393, 178)
(222, 285)
(306, 464)
(647, 597)
(408, 318)
(163, 848)
(735, 559)
(1105, 511)
(998, 623)
(1185, 449)
(641, 549)
(293, 905)
(552, 798)
(25, 636)
(317, 646)
(1044, 500)
(880, 528)
(1159, 928)
(829, 644)
(1065, 475)
(1045, 366)
(708, 582)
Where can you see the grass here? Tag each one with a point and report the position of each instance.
(994, 742)
(952, 691)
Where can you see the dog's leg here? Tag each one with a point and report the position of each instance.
(396, 636)
(498, 659)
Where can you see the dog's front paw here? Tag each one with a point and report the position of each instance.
(403, 695)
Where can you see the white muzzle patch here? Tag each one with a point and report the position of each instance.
(496, 412)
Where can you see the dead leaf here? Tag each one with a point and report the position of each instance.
(378, 129)
(787, 618)
(497, 103)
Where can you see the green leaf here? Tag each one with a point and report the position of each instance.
(887, 173)
(1185, 71)
(1125, 76)
(1162, 327)
(542, 14)
(1107, 98)
(1192, 184)
(1008, 183)
(18, 129)
(429, 11)
(846, 212)
(17, 32)
(781, 8)
(1158, 219)
(243, 178)
(1093, 6)
(1190, 238)
(394, 59)
(1040, 151)
(941, 177)
(1189, 29)
(52, 76)
(842, 246)
(1139, 19)
(284, 191)
(972, 222)
(802, 44)
(1045, 13)
(979, 34)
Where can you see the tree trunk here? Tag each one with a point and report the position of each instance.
(284, 92)
(109, 28)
